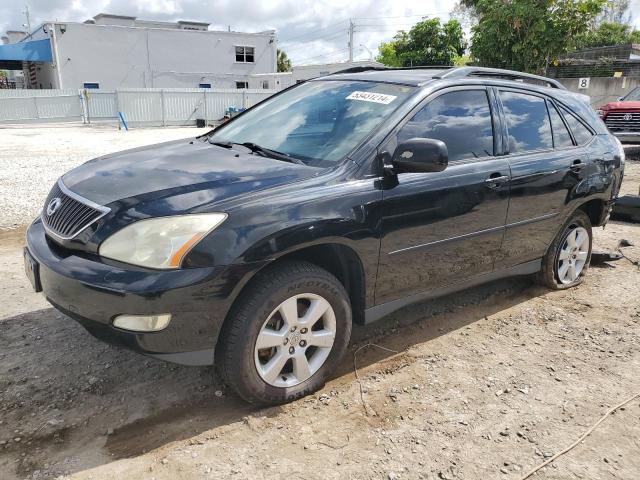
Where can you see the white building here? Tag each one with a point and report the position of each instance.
(300, 73)
(114, 51)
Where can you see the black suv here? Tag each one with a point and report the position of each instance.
(339, 200)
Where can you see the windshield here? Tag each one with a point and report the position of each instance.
(633, 96)
(318, 122)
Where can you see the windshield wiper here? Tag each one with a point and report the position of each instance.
(255, 148)
(222, 144)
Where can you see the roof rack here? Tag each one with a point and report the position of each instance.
(385, 69)
(462, 72)
(359, 69)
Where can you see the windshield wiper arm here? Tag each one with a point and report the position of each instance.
(221, 144)
(255, 148)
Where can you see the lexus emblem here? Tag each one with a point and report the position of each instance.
(53, 206)
(627, 117)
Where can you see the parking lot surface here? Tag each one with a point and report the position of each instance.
(486, 383)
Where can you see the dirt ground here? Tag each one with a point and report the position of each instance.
(486, 384)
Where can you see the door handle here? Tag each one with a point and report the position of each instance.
(496, 180)
(576, 166)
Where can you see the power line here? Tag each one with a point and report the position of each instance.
(324, 55)
(340, 24)
(327, 54)
(306, 43)
(330, 27)
(331, 32)
(403, 16)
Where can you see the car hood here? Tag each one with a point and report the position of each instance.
(622, 106)
(188, 165)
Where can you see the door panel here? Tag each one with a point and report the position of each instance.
(440, 228)
(543, 182)
(540, 185)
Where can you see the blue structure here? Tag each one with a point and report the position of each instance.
(30, 51)
(13, 54)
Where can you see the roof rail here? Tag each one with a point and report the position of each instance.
(462, 72)
(385, 69)
(359, 69)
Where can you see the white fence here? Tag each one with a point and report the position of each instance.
(139, 106)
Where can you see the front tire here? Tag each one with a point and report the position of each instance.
(285, 334)
(567, 260)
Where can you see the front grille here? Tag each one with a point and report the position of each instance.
(66, 214)
(623, 121)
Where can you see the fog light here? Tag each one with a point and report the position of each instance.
(142, 323)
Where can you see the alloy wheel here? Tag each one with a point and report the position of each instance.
(573, 255)
(295, 340)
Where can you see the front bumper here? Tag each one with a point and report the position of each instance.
(627, 137)
(94, 292)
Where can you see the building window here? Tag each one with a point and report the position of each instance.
(91, 85)
(245, 54)
(204, 85)
(242, 84)
(265, 84)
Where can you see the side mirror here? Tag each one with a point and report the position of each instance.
(421, 155)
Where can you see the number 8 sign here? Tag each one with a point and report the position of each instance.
(583, 83)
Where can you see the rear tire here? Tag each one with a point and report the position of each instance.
(567, 260)
(285, 335)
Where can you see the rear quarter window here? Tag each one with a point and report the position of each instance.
(581, 133)
(561, 136)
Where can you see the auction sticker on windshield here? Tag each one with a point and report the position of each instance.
(372, 97)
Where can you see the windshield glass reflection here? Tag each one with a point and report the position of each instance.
(319, 122)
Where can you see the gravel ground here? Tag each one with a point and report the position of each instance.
(486, 384)
(32, 159)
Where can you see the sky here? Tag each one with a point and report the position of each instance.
(310, 31)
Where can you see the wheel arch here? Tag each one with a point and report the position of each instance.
(595, 210)
(339, 259)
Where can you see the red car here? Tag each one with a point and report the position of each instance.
(623, 117)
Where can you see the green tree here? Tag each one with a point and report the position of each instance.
(388, 55)
(608, 33)
(527, 35)
(284, 62)
(427, 43)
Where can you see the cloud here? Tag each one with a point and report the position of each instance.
(311, 31)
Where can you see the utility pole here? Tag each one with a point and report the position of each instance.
(26, 12)
(351, 27)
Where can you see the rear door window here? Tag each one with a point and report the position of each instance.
(461, 119)
(527, 122)
(581, 133)
(561, 136)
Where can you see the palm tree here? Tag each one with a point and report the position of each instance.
(284, 62)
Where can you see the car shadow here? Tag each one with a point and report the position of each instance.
(422, 322)
(64, 391)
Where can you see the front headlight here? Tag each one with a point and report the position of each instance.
(160, 243)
